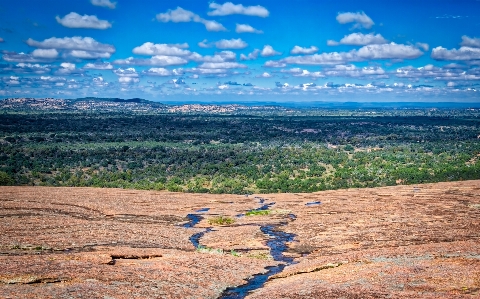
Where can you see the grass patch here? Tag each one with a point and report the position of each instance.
(220, 220)
(204, 249)
(260, 256)
(257, 213)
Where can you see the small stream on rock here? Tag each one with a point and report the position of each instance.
(277, 244)
(194, 219)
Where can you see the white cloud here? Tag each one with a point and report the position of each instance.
(104, 3)
(301, 50)
(177, 15)
(221, 65)
(203, 44)
(2, 40)
(26, 68)
(182, 15)
(89, 55)
(128, 80)
(437, 73)
(68, 65)
(231, 44)
(389, 51)
(370, 52)
(157, 72)
(45, 53)
(264, 75)
(273, 63)
(74, 20)
(359, 39)
(98, 66)
(353, 71)
(464, 53)
(212, 25)
(359, 18)
(67, 68)
(470, 42)
(128, 72)
(151, 49)
(158, 60)
(298, 72)
(72, 43)
(245, 28)
(423, 46)
(251, 56)
(323, 58)
(229, 8)
(20, 57)
(269, 51)
(222, 56)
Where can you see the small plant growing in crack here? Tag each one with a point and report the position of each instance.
(258, 213)
(220, 220)
(204, 249)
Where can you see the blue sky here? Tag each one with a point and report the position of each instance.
(264, 50)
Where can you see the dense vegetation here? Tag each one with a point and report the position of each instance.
(302, 151)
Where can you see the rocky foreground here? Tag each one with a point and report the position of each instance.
(394, 242)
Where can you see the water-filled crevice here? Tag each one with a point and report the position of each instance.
(277, 244)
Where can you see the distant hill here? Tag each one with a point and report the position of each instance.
(79, 104)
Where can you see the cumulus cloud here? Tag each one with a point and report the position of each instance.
(370, 52)
(20, 57)
(269, 51)
(389, 51)
(151, 49)
(464, 53)
(221, 65)
(45, 53)
(251, 56)
(301, 50)
(229, 8)
(245, 28)
(67, 68)
(26, 68)
(437, 73)
(203, 44)
(470, 42)
(323, 58)
(212, 25)
(98, 66)
(177, 15)
(423, 46)
(359, 18)
(88, 54)
(104, 3)
(353, 71)
(157, 72)
(72, 43)
(74, 20)
(157, 60)
(128, 72)
(128, 80)
(222, 56)
(264, 75)
(298, 72)
(359, 39)
(231, 44)
(273, 63)
(182, 15)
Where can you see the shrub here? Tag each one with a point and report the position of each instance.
(5, 179)
(221, 220)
